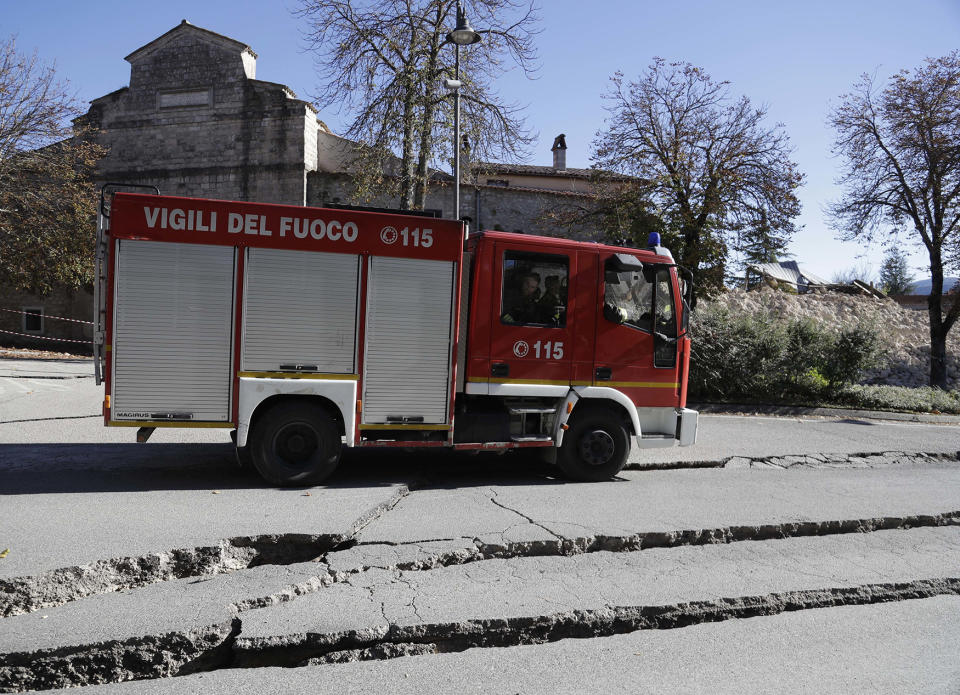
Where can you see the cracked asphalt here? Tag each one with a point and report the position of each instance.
(779, 554)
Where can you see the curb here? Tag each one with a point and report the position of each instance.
(794, 411)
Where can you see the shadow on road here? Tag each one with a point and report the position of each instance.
(58, 468)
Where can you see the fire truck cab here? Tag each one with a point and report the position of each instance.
(307, 330)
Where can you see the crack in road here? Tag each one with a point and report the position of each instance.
(580, 624)
(20, 595)
(530, 520)
(794, 461)
(47, 419)
(27, 594)
(222, 646)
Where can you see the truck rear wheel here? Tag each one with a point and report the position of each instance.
(595, 447)
(295, 444)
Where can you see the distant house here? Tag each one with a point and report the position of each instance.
(786, 272)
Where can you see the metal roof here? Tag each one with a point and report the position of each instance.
(788, 271)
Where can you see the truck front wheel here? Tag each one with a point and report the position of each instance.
(595, 447)
(295, 444)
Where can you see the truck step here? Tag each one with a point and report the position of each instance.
(532, 411)
(657, 440)
(531, 438)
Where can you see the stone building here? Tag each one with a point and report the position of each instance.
(194, 121)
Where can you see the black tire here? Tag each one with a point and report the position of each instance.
(295, 444)
(595, 447)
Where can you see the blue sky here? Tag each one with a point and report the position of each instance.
(796, 58)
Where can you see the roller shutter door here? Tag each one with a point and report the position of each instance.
(407, 355)
(300, 308)
(172, 341)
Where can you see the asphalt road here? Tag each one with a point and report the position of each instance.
(804, 559)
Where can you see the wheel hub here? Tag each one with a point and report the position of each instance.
(597, 447)
(296, 443)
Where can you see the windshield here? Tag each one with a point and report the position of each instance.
(628, 298)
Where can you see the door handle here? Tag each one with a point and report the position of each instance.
(500, 369)
(603, 373)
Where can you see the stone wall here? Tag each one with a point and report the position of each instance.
(57, 335)
(905, 332)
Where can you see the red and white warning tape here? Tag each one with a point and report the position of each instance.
(43, 337)
(46, 316)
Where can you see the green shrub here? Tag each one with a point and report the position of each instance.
(881, 397)
(756, 357)
(854, 350)
(805, 359)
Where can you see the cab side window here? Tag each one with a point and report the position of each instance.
(665, 317)
(534, 291)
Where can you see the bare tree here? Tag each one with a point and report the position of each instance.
(861, 271)
(383, 62)
(901, 152)
(47, 198)
(704, 161)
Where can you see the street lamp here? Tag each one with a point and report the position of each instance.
(462, 35)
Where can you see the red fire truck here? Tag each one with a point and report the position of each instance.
(306, 330)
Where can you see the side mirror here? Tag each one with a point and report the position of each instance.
(621, 262)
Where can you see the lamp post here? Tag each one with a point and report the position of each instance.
(462, 35)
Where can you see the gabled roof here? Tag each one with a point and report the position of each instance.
(184, 25)
(531, 170)
(490, 168)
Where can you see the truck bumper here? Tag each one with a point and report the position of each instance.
(687, 427)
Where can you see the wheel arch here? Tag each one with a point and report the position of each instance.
(278, 399)
(611, 398)
(257, 396)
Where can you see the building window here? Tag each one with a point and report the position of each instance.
(534, 289)
(33, 319)
(503, 183)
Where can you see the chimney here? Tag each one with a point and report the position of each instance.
(559, 150)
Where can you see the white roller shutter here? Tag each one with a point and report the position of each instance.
(407, 354)
(172, 340)
(300, 308)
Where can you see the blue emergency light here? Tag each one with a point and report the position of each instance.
(653, 239)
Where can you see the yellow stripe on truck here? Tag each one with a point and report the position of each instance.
(402, 426)
(507, 380)
(622, 384)
(297, 375)
(168, 423)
